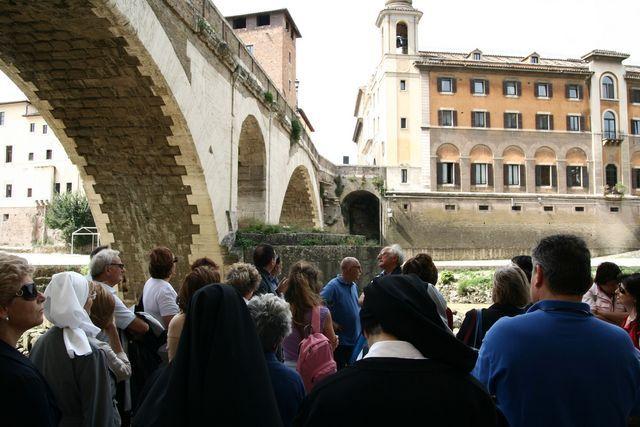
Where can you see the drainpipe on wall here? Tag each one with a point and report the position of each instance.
(267, 178)
(232, 135)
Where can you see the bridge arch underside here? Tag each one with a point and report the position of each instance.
(298, 206)
(252, 180)
(361, 213)
(99, 90)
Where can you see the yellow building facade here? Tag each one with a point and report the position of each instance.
(472, 139)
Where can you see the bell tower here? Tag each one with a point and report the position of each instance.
(398, 22)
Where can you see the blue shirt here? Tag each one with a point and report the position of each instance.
(342, 300)
(287, 387)
(558, 365)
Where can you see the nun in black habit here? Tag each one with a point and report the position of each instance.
(416, 371)
(219, 375)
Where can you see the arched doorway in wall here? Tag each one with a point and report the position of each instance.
(361, 213)
(252, 181)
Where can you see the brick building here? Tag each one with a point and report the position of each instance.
(492, 141)
(271, 37)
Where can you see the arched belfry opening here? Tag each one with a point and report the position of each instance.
(361, 213)
(252, 181)
(402, 38)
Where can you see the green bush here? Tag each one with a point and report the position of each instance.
(245, 243)
(474, 281)
(447, 277)
(260, 227)
(310, 242)
(69, 212)
(268, 97)
(296, 130)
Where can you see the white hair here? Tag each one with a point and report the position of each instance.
(396, 250)
(272, 317)
(101, 260)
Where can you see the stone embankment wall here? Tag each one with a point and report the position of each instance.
(487, 227)
(325, 251)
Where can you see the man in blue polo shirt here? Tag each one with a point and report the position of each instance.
(341, 296)
(558, 365)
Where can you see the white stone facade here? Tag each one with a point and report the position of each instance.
(33, 167)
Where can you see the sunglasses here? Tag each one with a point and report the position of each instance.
(28, 292)
(118, 265)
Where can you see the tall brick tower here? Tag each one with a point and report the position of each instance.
(271, 38)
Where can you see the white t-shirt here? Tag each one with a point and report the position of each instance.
(159, 299)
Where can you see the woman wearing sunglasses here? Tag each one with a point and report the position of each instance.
(75, 369)
(27, 399)
(628, 294)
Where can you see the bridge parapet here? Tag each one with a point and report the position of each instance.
(205, 19)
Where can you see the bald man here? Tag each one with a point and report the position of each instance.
(341, 296)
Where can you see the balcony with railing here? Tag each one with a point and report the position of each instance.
(611, 137)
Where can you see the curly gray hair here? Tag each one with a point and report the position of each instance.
(244, 277)
(272, 317)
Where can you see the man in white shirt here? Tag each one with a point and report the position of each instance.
(106, 268)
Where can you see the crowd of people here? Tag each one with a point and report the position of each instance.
(252, 348)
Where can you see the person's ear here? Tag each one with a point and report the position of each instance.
(4, 312)
(538, 277)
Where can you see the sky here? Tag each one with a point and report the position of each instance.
(340, 44)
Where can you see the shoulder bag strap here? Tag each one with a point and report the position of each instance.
(315, 320)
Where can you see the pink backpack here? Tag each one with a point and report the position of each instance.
(315, 359)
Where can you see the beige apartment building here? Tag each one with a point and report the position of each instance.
(500, 148)
(33, 167)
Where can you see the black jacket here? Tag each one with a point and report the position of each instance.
(398, 392)
(25, 396)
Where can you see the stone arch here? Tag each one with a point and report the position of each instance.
(545, 156)
(101, 91)
(513, 155)
(481, 154)
(448, 153)
(252, 173)
(576, 157)
(361, 213)
(299, 207)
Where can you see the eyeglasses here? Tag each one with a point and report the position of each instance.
(28, 292)
(118, 265)
(621, 289)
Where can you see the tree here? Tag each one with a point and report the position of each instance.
(69, 212)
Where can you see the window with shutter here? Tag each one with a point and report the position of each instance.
(510, 88)
(511, 121)
(573, 123)
(542, 90)
(545, 176)
(512, 175)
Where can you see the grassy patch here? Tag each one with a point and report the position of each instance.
(474, 281)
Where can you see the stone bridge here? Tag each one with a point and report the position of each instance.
(164, 112)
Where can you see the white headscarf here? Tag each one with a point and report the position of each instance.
(66, 296)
